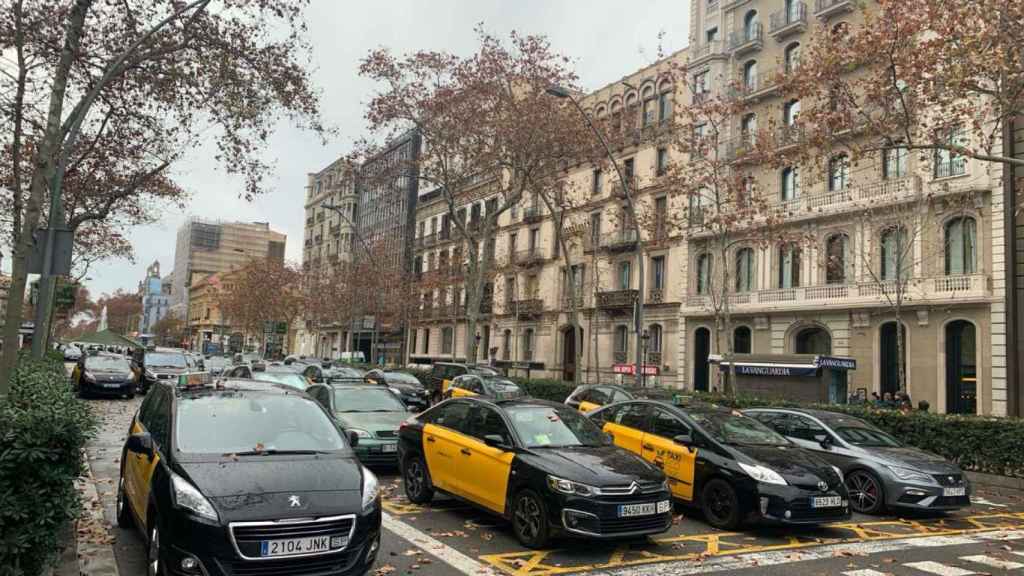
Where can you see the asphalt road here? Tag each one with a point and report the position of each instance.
(451, 538)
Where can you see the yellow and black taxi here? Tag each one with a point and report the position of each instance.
(540, 464)
(730, 465)
(587, 397)
(484, 385)
(104, 374)
(443, 373)
(228, 479)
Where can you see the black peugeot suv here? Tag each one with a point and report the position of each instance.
(232, 479)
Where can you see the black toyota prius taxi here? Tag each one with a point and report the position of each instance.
(730, 465)
(540, 464)
(232, 479)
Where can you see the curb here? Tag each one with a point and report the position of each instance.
(994, 481)
(92, 532)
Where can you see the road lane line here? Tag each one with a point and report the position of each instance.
(780, 557)
(864, 572)
(945, 541)
(993, 562)
(435, 547)
(938, 568)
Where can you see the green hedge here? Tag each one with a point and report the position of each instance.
(43, 428)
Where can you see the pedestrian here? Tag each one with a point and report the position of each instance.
(875, 399)
(887, 401)
(923, 406)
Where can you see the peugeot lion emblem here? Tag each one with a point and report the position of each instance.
(822, 486)
(294, 501)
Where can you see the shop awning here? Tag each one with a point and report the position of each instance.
(781, 364)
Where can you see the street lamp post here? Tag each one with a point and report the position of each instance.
(643, 375)
(638, 316)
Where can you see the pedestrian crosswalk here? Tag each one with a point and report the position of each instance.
(977, 564)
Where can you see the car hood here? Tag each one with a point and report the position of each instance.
(372, 421)
(597, 466)
(798, 466)
(261, 487)
(914, 458)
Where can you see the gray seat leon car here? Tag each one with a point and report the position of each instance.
(880, 471)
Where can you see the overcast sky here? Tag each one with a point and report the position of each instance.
(608, 40)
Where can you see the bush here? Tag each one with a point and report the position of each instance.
(43, 429)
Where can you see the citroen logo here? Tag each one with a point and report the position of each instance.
(823, 486)
(952, 480)
(294, 501)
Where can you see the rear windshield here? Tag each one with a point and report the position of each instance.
(107, 363)
(401, 378)
(166, 359)
(867, 437)
(367, 399)
(292, 379)
(342, 373)
(229, 424)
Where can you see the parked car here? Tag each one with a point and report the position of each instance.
(731, 466)
(485, 386)
(104, 374)
(233, 480)
(71, 353)
(407, 386)
(442, 374)
(370, 412)
(280, 374)
(153, 365)
(881, 472)
(589, 397)
(540, 464)
(336, 374)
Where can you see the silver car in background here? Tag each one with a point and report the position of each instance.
(880, 471)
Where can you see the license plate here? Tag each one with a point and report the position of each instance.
(292, 546)
(112, 385)
(664, 506)
(826, 502)
(955, 491)
(630, 510)
(389, 448)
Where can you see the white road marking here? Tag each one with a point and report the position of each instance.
(435, 547)
(790, 556)
(993, 562)
(865, 572)
(984, 502)
(944, 541)
(937, 568)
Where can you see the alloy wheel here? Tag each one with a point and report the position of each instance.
(527, 518)
(864, 492)
(414, 479)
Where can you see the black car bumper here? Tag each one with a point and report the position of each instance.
(602, 517)
(218, 551)
(107, 388)
(794, 505)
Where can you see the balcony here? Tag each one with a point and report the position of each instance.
(528, 257)
(428, 239)
(653, 359)
(528, 309)
(532, 214)
(616, 299)
(655, 296)
(570, 302)
(759, 86)
(917, 291)
(785, 23)
(621, 241)
(746, 41)
(826, 9)
(739, 148)
(859, 197)
(789, 135)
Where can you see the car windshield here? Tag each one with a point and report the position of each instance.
(866, 437)
(167, 359)
(401, 378)
(482, 371)
(499, 385)
(342, 373)
(254, 424)
(287, 378)
(733, 428)
(367, 399)
(110, 363)
(551, 427)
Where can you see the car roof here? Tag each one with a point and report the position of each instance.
(234, 387)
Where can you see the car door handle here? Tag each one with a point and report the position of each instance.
(430, 439)
(465, 451)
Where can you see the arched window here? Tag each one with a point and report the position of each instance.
(961, 246)
(838, 172)
(447, 340)
(647, 117)
(744, 270)
(895, 250)
(526, 349)
(704, 264)
(654, 335)
(792, 57)
(601, 111)
(789, 266)
(750, 76)
(751, 26)
(790, 112)
(742, 342)
(813, 341)
(835, 259)
(506, 345)
(790, 183)
(616, 121)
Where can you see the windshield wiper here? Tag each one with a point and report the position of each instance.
(272, 451)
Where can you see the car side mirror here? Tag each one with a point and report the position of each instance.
(140, 443)
(353, 439)
(825, 441)
(683, 439)
(496, 441)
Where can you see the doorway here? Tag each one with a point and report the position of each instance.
(701, 367)
(813, 341)
(888, 357)
(569, 355)
(961, 368)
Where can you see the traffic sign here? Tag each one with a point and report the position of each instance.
(649, 369)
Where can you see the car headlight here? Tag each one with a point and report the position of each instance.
(395, 390)
(763, 474)
(188, 497)
(360, 432)
(563, 486)
(89, 376)
(911, 475)
(149, 374)
(371, 489)
(838, 473)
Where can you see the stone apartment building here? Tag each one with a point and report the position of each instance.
(829, 296)
(525, 325)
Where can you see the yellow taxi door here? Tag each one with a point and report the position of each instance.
(439, 449)
(627, 425)
(154, 417)
(484, 471)
(676, 460)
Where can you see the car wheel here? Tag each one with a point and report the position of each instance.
(530, 520)
(124, 513)
(129, 395)
(720, 504)
(416, 478)
(154, 560)
(866, 493)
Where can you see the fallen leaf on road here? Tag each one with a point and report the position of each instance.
(385, 569)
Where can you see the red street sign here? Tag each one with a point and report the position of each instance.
(649, 370)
